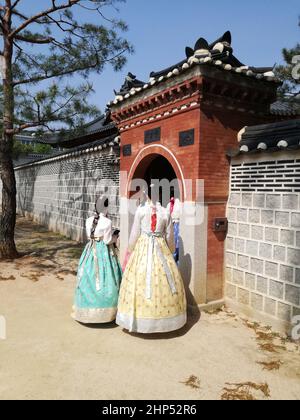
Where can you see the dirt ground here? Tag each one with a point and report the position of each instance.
(49, 356)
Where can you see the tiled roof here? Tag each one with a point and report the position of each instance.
(26, 137)
(284, 135)
(98, 145)
(219, 54)
(285, 108)
(101, 125)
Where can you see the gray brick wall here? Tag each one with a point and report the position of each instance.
(60, 193)
(263, 244)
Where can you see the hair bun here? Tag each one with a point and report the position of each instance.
(101, 204)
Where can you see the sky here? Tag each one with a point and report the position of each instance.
(161, 29)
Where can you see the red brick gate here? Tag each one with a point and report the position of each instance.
(191, 115)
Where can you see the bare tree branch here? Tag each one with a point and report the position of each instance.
(19, 14)
(15, 4)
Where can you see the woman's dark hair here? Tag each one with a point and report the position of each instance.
(101, 203)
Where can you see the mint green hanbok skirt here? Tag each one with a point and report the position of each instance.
(98, 283)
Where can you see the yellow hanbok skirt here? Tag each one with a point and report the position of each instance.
(155, 301)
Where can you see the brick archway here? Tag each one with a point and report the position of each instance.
(144, 159)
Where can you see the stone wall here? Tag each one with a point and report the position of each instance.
(60, 192)
(263, 243)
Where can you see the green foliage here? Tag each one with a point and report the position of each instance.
(42, 149)
(50, 48)
(20, 149)
(291, 85)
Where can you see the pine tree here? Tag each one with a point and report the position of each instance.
(39, 54)
(289, 74)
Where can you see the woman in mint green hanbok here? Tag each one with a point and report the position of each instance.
(99, 272)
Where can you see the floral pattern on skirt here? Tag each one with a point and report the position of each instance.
(165, 310)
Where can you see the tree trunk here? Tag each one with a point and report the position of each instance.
(8, 216)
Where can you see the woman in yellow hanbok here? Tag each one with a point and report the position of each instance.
(152, 296)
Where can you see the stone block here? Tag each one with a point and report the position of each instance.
(230, 244)
(298, 239)
(282, 218)
(250, 281)
(279, 253)
(252, 248)
(262, 285)
(240, 245)
(293, 256)
(247, 200)
(273, 201)
(276, 289)
(229, 274)
(231, 214)
(242, 215)
(292, 294)
(257, 232)
(257, 266)
(271, 269)
(244, 230)
(270, 306)
(235, 199)
(287, 237)
(267, 217)
(265, 251)
(231, 259)
(238, 277)
(232, 229)
(297, 279)
(231, 291)
(254, 216)
(290, 202)
(259, 200)
(243, 262)
(243, 296)
(284, 312)
(257, 302)
(271, 234)
(296, 220)
(286, 274)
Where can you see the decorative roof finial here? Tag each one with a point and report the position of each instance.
(130, 82)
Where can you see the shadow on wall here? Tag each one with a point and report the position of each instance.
(25, 190)
(61, 195)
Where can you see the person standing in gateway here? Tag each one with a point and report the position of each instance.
(152, 296)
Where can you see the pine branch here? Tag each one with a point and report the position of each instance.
(51, 76)
(42, 14)
(58, 104)
(34, 40)
(68, 72)
(88, 47)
